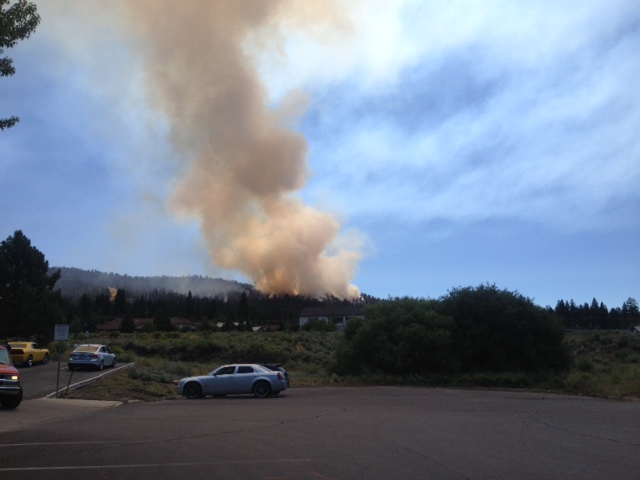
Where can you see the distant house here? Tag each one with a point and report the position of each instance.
(268, 328)
(185, 324)
(109, 326)
(142, 323)
(221, 325)
(338, 315)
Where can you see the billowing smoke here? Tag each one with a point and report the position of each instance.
(243, 161)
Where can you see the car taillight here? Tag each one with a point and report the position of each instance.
(280, 376)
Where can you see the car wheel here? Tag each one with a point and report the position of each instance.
(11, 401)
(45, 360)
(30, 361)
(101, 366)
(192, 390)
(261, 389)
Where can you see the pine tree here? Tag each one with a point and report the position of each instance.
(17, 22)
(28, 305)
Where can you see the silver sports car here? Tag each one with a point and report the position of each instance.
(233, 380)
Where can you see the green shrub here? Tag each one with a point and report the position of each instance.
(584, 364)
(581, 383)
(318, 326)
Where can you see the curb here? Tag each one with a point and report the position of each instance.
(75, 386)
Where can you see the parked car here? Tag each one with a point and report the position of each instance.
(28, 353)
(91, 355)
(234, 379)
(277, 367)
(10, 388)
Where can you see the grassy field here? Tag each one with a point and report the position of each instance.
(606, 364)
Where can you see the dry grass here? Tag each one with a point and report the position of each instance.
(606, 365)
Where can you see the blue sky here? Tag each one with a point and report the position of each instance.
(435, 144)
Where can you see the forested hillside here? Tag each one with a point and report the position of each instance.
(91, 298)
(74, 283)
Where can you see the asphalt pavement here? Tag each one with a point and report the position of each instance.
(33, 413)
(326, 433)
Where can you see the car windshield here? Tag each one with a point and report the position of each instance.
(87, 348)
(5, 359)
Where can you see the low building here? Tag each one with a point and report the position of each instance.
(275, 327)
(182, 324)
(336, 315)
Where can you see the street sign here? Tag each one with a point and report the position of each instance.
(61, 332)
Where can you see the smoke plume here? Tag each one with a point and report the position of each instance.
(243, 161)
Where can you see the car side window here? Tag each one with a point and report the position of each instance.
(35, 346)
(226, 371)
(245, 369)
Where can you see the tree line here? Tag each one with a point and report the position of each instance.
(239, 310)
(75, 282)
(31, 305)
(597, 316)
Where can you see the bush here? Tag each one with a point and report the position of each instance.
(582, 383)
(474, 329)
(316, 325)
(498, 330)
(403, 336)
(584, 364)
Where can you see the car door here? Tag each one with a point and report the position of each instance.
(219, 382)
(107, 356)
(37, 352)
(243, 380)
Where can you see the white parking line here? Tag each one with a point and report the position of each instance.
(40, 444)
(150, 465)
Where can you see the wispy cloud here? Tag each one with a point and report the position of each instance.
(427, 124)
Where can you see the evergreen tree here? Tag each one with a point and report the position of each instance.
(243, 313)
(162, 322)
(85, 307)
(630, 313)
(28, 305)
(189, 305)
(17, 22)
(120, 306)
(128, 325)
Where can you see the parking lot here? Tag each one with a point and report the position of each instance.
(329, 433)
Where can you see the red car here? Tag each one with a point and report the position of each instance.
(10, 388)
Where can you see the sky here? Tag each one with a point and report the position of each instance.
(386, 147)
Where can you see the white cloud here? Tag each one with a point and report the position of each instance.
(552, 139)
